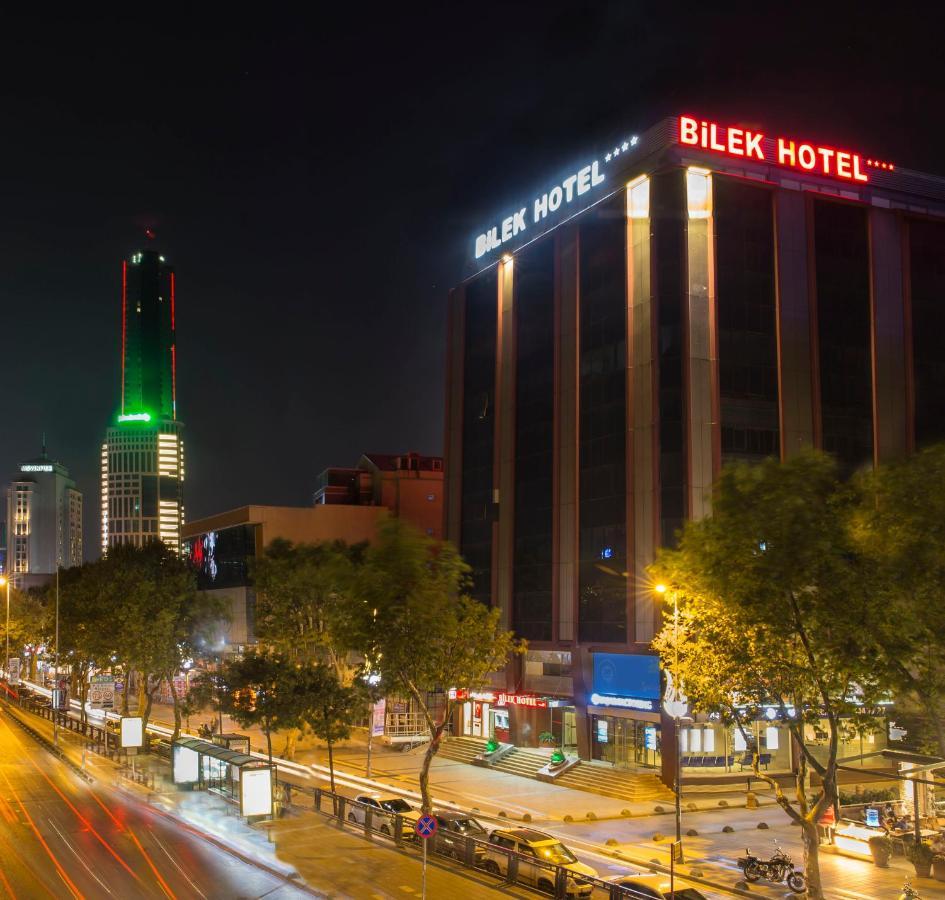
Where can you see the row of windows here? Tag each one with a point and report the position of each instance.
(746, 316)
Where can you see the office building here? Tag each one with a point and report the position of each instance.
(43, 520)
(696, 294)
(409, 485)
(142, 457)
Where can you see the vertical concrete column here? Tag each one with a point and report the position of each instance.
(889, 335)
(702, 381)
(642, 411)
(505, 444)
(566, 451)
(453, 442)
(795, 390)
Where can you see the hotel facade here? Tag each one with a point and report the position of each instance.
(699, 294)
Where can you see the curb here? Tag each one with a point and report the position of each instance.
(49, 746)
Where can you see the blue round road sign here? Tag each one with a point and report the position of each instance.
(425, 827)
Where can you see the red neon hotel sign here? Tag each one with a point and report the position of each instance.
(817, 159)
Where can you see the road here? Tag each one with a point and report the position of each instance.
(61, 837)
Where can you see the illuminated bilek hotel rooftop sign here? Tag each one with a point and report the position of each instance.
(599, 178)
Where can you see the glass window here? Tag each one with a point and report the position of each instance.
(479, 360)
(669, 246)
(747, 320)
(843, 325)
(927, 270)
(534, 306)
(603, 425)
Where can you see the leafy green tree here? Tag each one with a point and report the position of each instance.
(776, 610)
(30, 625)
(302, 598)
(263, 689)
(331, 707)
(424, 633)
(900, 525)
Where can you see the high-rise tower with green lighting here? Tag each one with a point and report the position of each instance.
(143, 452)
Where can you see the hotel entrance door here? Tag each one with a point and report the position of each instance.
(626, 743)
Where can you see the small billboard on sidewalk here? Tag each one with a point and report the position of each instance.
(256, 792)
(14, 673)
(132, 732)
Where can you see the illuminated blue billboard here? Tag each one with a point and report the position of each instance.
(627, 680)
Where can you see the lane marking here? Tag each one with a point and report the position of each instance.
(193, 884)
(77, 856)
(62, 872)
(157, 874)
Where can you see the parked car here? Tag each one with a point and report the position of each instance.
(383, 812)
(452, 829)
(539, 855)
(656, 887)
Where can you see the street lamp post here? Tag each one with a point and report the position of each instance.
(675, 704)
(6, 579)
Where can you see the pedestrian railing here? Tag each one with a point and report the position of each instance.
(509, 867)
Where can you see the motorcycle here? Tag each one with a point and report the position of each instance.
(779, 868)
(909, 892)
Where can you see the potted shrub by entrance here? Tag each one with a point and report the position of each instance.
(547, 739)
(920, 855)
(881, 848)
(938, 867)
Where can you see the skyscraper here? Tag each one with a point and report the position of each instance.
(43, 518)
(143, 452)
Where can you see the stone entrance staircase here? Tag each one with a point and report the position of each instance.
(595, 778)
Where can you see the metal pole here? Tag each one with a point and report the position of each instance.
(6, 668)
(56, 663)
(677, 849)
(423, 891)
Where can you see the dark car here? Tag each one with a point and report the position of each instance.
(452, 830)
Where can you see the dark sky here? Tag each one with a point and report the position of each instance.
(316, 181)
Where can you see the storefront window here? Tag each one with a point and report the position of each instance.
(721, 748)
(626, 743)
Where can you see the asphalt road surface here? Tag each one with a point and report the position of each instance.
(61, 837)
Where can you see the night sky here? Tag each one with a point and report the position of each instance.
(316, 184)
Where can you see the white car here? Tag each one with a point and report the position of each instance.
(539, 857)
(384, 810)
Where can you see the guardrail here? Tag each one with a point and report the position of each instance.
(486, 856)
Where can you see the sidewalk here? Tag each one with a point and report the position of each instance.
(613, 834)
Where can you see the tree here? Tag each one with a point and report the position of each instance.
(425, 634)
(776, 610)
(331, 708)
(30, 625)
(262, 689)
(900, 525)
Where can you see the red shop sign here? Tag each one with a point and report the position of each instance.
(499, 698)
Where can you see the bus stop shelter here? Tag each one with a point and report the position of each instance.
(241, 778)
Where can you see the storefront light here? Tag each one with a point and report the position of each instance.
(699, 192)
(638, 198)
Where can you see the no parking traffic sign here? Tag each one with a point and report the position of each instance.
(425, 827)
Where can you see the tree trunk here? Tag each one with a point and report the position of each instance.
(815, 888)
(268, 731)
(177, 717)
(331, 766)
(433, 748)
(32, 668)
(291, 739)
(126, 693)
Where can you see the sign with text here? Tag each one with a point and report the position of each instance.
(14, 673)
(377, 718)
(804, 156)
(102, 692)
(499, 698)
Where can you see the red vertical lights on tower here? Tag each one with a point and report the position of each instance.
(124, 327)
